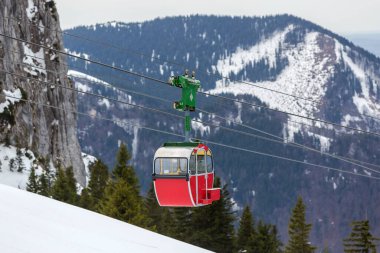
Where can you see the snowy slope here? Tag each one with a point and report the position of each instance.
(19, 179)
(312, 65)
(13, 177)
(32, 223)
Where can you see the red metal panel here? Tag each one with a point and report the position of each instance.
(201, 186)
(213, 194)
(173, 192)
(210, 180)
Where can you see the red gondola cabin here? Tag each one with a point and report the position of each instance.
(183, 175)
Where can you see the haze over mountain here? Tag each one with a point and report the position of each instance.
(369, 41)
(340, 81)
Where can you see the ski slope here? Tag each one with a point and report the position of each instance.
(33, 223)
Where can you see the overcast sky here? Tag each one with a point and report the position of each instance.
(340, 16)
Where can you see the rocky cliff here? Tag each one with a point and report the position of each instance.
(50, 132)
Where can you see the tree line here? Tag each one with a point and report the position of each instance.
(117, 195)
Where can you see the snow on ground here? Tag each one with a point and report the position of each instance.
(13, 98)
(128, 126)
(135, 143)
(235, 206)
(20, 179)
(297, 78)
(82, 87)
(241, 58)
(198, 126)
(88, 160)
(33, 223)
(35, 62)
(365, 103)
(31, 10)
(81, 75)
(105, 102)
(15, 178)
(324, 141)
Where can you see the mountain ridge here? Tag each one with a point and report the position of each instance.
(341, 38)
(268, 185)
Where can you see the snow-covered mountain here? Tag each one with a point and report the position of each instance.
(312, 66)
(339, 80)
(33, 223)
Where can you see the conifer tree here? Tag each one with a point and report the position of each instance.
(326, 250)
(19, 163)
(43, 187)
(98, 182)
(246, 230)
(360, 239)
(59, 186)
(265, 239)
(12, 164)
(50, 175)
(71, 186)
(86, 200)
(167, 222)
(182, 223)
(1, 166)
(122, 198)
(161, 218)
(212, 226)
(64, 188)
(121, 202)
(122, 168)
(299, 231)
(32, 185)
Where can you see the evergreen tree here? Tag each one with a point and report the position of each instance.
(12, 164)
(32, 185)
(86, 200)
(121, 202)
(43, 187)
(326, 250)
(246, 230)
(98, 182)
(360, 239)
(161, 218)
(59, 186)
(265, 239)
(49, 175)
(182, 218)
(299, 231)
(212, 226)
(167, 222)
(1, 166)
(122, 198)
(7, 140)
(19, 163)
(122, 168)
(64, 188)
(70, 180)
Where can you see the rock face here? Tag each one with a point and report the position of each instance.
(36, 74)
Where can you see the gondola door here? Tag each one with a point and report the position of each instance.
(202, 176)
